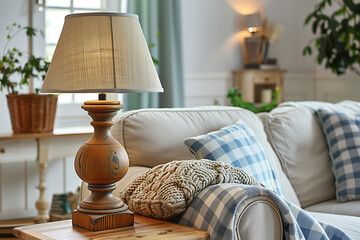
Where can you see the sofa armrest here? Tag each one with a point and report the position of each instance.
(259, 219)
(226, 211)
(255, 217)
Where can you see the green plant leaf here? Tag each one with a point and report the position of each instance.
(333, 24)
(30, 31)
(339, 12)
(155, 61)
(308, 19)
(350, 4)
(158, 34)
(307, 51)
(314, 26)
(321, 5)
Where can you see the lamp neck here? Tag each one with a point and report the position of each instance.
(102, 96)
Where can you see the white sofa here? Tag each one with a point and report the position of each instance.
(293, 143)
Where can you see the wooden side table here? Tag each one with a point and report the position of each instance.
(253, 82)
(144, 228)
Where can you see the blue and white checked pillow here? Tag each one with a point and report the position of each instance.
(238, 146)
(342, 132)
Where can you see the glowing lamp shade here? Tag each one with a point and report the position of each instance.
(252, 22)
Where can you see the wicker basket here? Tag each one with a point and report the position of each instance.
(31, 113)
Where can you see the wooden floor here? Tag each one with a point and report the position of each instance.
(6, 227)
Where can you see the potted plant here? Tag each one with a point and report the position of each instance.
(236, 100)
(337, 40)
(31, 112)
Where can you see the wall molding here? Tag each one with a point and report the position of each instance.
(208, 76)
(320, 87)
(206, 88)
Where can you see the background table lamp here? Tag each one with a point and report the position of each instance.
(253, 22)
(253, 44)
(101, 53)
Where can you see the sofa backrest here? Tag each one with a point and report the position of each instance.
(156, 136)
(297, 138)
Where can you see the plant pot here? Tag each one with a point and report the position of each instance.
(31, 113)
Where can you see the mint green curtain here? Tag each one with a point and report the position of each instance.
(160, 21)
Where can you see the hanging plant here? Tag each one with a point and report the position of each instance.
(337, 36)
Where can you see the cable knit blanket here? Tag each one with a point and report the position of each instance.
(166, 190)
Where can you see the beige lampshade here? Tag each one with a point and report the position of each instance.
(101, 52)
(252, 20)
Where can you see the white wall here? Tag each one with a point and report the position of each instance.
(212, 49)
(212, 37)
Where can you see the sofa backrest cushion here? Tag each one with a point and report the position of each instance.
(297, 138)
(155, 136)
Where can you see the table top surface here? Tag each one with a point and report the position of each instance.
(58, 132)
(144, 228)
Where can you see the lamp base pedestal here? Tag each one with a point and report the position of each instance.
(98, 222)
(101, 162)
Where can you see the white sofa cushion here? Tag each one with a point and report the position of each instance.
(155, 136)
(349, 224)
(297, 138)
(332, 206)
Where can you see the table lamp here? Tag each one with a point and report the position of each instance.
(253, 44)
(101, 53)
(253, 22)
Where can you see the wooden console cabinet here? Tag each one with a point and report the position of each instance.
(253, 83)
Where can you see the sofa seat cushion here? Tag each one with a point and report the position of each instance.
(348, 224)
(297, 138)
(332, 206)
(238, 146)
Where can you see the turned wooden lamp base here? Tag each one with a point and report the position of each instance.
(101, 162)
(97, 222)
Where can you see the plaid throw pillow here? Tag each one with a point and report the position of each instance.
(238, 146)
(342, 132)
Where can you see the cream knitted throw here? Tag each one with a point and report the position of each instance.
(166, 190)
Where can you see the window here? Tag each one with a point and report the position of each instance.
(69, 112)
